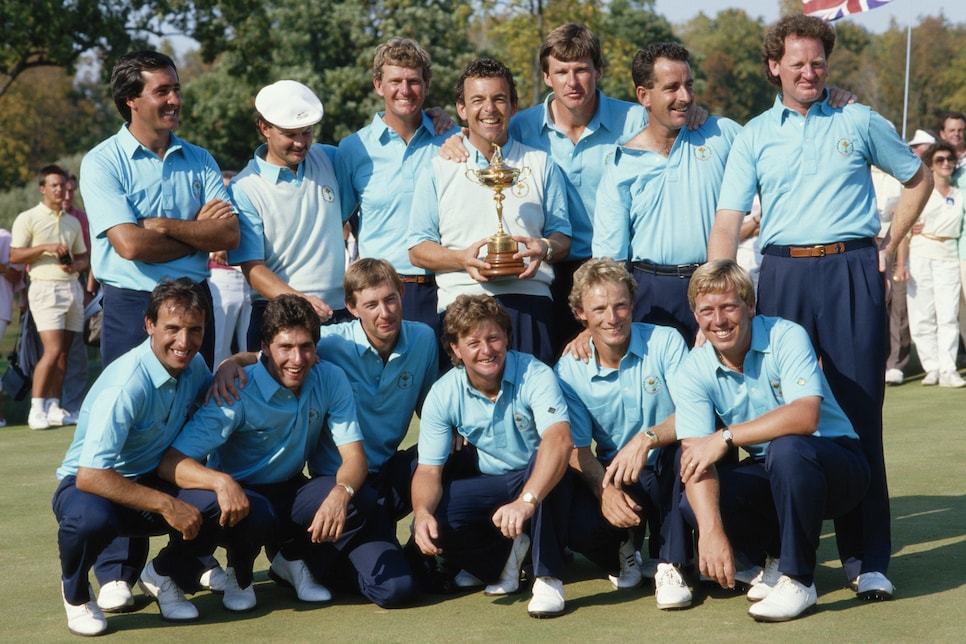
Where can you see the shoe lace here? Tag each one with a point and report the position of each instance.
(668, 575)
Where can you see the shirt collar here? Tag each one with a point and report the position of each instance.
(781, 112)
(156, 371)
(478, 159)
(267, 385)
(760, 343)
(506, 382)
(599, 120)
(275, 173)
(385, 134)
(132, 146)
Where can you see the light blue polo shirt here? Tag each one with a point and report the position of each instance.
(505, 433)
(813, 173)
(581, 163)
(133, 413)
(387, 394)
(779, 368)
(382, 169)
(268, 435)
(124, 182)
(661, 210)
(292, 221)
(611, 406)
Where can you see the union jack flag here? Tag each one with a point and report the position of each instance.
(835, 9)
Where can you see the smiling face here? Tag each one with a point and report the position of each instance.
(403, 92)
(286, 148)
(671, 95)
(158, 108)
(487, 110)
(574, 83)
(802, 71)
(483, 354)
(379, 310)
(953, 132)
(606, 312)
(290, 356)
(725, 320)
(176, 336)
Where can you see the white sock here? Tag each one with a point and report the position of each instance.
(37, 403)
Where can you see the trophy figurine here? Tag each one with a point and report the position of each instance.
(498, 176)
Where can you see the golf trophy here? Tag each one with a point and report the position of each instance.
(498, 176)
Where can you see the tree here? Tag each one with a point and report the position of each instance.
(48, 33)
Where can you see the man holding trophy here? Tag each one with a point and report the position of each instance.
(494, 223)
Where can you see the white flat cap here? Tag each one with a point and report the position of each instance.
(289, 105)
(921, 137)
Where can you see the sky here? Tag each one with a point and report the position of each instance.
(904, 11)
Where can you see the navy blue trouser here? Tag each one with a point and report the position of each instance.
(366, 558)
(469, 539)
(840, 300)
(565, 325)
(777, 505)
(419, 304)
(590, 534)
(88, 523)
(663, 299)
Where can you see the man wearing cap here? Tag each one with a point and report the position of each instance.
(382, 161)
(290, 209)
(821, 268)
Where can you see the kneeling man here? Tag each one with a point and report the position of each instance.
(761, 376)
(109, 482)
(508, 407)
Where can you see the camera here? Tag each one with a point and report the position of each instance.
(66, 259)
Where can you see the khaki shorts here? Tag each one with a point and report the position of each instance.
(57, 305)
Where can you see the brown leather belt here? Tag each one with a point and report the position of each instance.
(819, 250)
(417, 279)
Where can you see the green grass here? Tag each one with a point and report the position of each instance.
(925, 451)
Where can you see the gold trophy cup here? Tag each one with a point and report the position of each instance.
(498, 176)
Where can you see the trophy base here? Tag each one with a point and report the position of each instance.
(502, 265)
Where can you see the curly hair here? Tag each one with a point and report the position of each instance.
(801, 26)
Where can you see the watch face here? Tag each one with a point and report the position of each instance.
(529, 497)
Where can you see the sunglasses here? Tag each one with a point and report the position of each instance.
(944, 159)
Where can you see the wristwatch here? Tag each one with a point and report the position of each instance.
(548, 257)
(650, 434)
(529, 497)
(348, 488)
(728, 437)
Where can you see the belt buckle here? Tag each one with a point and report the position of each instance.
(821, 250)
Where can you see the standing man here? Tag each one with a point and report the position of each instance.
(109, 483)
(448, 234)
(953, 132)
(382, 162)
(621, 399)
(508, 406)
(289, 203)
(760, 377)
(157, 204)
(821, 268)
(657, 197)
(51, 242)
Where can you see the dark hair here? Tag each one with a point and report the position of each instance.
(486, 67)
(48, 170)
(568, 43)
(467, 313)
(956, 116)
(936, 147)
(402, 52)
(183, 291)
(801, 26)
(642, 69)
(127, 81)
(289, 311)
(369, 272)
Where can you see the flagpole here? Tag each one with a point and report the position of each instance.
(905, 95)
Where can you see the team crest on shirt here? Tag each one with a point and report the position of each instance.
(652, 385)
(844, 147)
(520, 190)
(776, 387)
(406, 380)
(328, 194)
(196, 188)
(521, 421)
(703, 153)
(314, 415)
